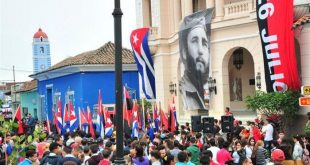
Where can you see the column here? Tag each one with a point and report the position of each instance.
(210, 4)
(188, 7)
(219, 8)
(177, 14)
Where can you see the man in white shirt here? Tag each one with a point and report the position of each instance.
(267, 130)
(214, 149)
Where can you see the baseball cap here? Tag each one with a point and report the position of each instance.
(278, 155)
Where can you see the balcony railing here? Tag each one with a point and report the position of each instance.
(153, 31)
(238, 9)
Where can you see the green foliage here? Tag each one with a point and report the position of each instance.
(1, 103)
(147, 104)
(307, 128)
(274, 102)
(285, 104)
(22, 142)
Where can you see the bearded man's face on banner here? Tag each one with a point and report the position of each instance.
(198, 53)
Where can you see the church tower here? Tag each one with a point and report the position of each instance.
(41, 52)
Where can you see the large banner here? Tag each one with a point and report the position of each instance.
(194, 42)
(275, 20)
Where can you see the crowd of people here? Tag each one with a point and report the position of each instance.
(254, 142)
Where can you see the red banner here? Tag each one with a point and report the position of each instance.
(275, 21)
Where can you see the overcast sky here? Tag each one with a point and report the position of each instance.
(72, 26)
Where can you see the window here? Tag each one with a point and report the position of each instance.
(42, 106)
(41, 50)
(150, 12)
(56, 98)
(195, 6)
(41, 39)
(198, 5)
(70, 99)
(25, 111)
(95, 111)
(35, 113)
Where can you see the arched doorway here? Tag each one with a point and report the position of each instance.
(240, 81)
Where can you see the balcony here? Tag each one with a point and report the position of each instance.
(153, 32)
(152, 37)
(239, 9)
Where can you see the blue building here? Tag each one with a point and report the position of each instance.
(41, 52)
(78, 79)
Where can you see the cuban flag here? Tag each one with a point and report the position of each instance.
(156, 118)
(173, 117)
(83, 121)
(72, 118)
(143, 58)
(135, 125)
(108, 125)
(59, 117)
(90, 122)
(99, 119)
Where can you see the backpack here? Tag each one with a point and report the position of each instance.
(305, 156)
(48, 160)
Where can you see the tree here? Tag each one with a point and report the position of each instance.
(21, 143)
(1, 103)
(275, 104)
(147, 104)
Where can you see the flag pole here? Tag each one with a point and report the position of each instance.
(80, 123)
(143, 114)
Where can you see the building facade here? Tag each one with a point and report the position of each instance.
(29, 99)
(233, 29)
(78, 80)
(41, 51)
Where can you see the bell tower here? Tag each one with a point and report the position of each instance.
(41, 52)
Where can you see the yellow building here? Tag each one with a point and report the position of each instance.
(234, 25)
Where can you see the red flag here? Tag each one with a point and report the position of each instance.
(67, 115)
(56, 122)
(163, 119)
(83, 119)
(18, 118)
(125, 108)
(90, 122)
(172, 121)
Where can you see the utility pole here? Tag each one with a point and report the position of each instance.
(14, 87)
(117, 14)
